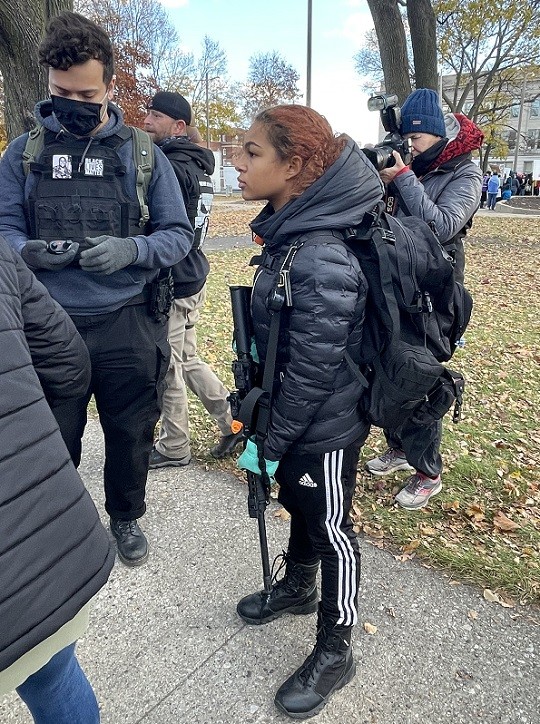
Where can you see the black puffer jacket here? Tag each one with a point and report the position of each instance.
(315, 408)
(54, 552)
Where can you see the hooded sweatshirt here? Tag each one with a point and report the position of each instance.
(190, 274)
(315, 405)
(78, 291)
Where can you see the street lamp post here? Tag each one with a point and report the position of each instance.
(520, 123)
(308, 69)
(207, 114)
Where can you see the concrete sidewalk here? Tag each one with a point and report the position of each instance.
(166, 646)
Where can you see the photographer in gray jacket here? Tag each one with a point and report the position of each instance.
(442, 186)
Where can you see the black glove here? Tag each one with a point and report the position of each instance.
(108, 254)
(37, 256)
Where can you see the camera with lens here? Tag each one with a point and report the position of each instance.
(380, 154)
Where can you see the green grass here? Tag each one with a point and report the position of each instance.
(491, 461)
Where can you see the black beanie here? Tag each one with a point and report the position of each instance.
(173, 105)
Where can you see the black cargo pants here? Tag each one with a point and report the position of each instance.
(129, 356)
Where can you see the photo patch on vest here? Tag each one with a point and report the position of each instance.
(93, 167)
(61, 166)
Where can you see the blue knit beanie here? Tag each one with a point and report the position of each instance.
(421, 113)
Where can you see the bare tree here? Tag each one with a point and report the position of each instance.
(481, 48)
(271, 81)
(22, 25)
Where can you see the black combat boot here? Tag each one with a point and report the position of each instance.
(329, 667)
(131, 542)
(295, 593)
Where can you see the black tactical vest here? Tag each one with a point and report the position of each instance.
(79, 190)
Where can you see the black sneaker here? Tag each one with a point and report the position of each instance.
(157, 460)
(227, 444)
(131, 542)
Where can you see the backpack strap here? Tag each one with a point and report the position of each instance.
(34, 146)
(143, 157)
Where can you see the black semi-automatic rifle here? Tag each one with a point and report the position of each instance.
(249, 407)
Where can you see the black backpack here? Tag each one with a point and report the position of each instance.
(416, 314)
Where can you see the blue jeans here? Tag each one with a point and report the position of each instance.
(492, 200)
(60, 693)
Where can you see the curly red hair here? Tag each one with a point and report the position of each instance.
(295, 130)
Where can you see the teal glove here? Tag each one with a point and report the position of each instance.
(253, 350)
(249, 460)
(108, 254)
(36, 255)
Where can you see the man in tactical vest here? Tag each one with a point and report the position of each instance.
(96, 238)
(170, 123)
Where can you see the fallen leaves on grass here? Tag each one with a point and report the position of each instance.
(491, 459)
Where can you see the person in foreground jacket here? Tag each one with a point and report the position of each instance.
(443, 187)
(55, 554)
(316, 185)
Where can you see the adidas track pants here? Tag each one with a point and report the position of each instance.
(317, 491)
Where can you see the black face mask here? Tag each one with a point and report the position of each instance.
(78, 117)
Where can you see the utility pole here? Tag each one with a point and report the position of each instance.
(308, 69)
(207, 114)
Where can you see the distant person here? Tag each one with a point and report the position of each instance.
(168, 121)
(514, 185)
(485, 179)
(55, 554)
(105, 281)
(493, 189)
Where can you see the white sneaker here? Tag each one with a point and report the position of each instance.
(389, 462)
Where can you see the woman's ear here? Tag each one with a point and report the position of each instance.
(294, 167)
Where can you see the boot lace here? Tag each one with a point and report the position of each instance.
(291, 577)
(389, 456)
(127, 527)
(327, 644)
(314, 663)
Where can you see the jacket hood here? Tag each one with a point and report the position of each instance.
(337, 200)
(463, 136)
(44, 115)
(202, 156)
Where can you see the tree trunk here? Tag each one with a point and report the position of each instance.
(22, 25)
(392, 46)
(424, 42)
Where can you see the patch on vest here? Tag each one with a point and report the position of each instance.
(93, 167)
(61, 166)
